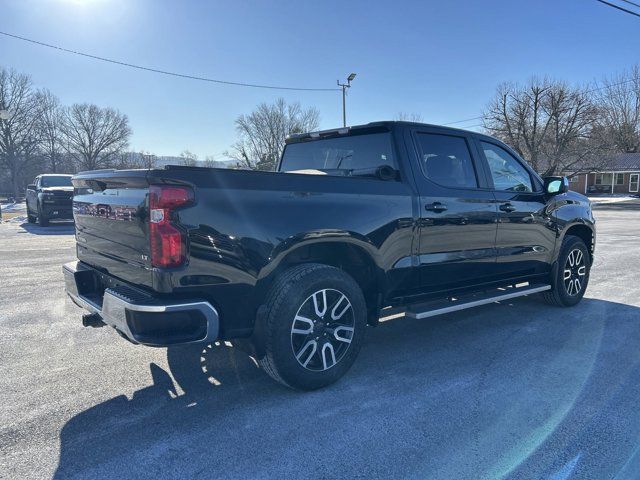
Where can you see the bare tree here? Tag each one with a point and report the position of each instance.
(263, 132)
(515, 115)
(19, 114)
(148, 159)
(50, 129)
(125, 160)
(94, 135)
(188, 158)
(570, 145)
(128, 160)
(618, 101)
(409, 117)
(547, 122)
(209, 161)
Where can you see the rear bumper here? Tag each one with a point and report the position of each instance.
(136, 315)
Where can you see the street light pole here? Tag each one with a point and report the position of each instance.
(344, 96)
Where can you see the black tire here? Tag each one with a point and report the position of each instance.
(43, 221)
(30, 218)
(276, 327)
(561, 294)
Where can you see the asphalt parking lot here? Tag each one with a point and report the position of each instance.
(517, 390)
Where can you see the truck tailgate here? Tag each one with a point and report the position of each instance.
(111, 213)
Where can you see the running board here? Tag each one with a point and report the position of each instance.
(432, 309)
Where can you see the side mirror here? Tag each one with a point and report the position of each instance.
(556, 185)
(31, 186)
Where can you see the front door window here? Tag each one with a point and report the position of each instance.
(633, 182)
(507, 173)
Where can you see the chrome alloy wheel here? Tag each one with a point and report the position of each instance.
(322, 330)
(575, 270)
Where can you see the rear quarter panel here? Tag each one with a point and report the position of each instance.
(245, 223)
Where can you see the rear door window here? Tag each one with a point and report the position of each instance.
(446, 160)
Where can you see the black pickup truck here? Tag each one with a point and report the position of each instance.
(357, 224)
(49, 197)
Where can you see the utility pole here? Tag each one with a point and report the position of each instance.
(344, 96)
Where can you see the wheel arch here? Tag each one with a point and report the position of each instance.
(354, 257)
(585, 232)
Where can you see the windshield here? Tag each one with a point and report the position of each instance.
(57, 181)
(340, 155)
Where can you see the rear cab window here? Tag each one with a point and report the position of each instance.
(349, 155)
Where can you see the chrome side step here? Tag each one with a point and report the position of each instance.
(432, 309)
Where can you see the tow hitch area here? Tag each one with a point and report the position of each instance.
(92, 320)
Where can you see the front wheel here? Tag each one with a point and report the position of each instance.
(572, 275)
(43, 221)
(313, 326)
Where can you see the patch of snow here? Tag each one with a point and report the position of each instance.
(16, 219)
(612, 198)
(14, 207)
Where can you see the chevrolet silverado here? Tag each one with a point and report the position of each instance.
(356, 223)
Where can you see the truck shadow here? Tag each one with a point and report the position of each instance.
(483, 380)
(54, 228)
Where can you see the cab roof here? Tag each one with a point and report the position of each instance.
(384, 124)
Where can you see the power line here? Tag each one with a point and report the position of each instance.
(620, 8)
(631, 3)
(628, 80)
(165, 72)
(462, 121)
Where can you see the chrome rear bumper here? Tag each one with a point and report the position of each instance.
(138, 316)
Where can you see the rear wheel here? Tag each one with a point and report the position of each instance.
(572, 276)
(313, 327)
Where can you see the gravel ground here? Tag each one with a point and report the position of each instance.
(519, 389)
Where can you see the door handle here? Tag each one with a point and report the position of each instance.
(435, 207)
(507, 207)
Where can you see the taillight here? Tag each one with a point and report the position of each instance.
(168, 243)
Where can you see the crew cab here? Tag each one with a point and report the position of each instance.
(49, 197)
(356, 223)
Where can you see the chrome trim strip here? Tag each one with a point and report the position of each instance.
(463, 306)
(114, 313)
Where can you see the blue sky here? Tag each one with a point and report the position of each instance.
(441, 59)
